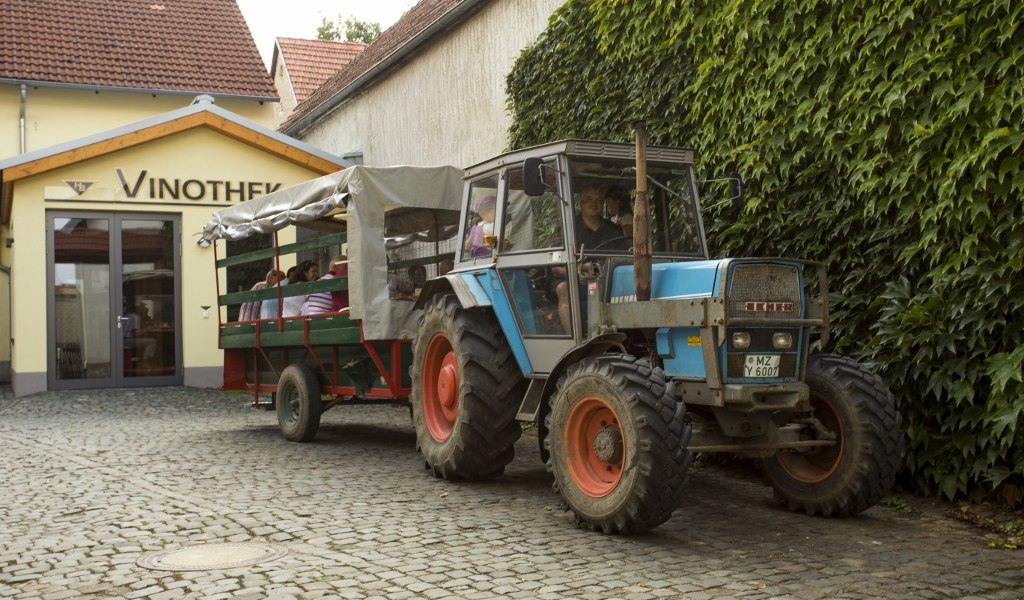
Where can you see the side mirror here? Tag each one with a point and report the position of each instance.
(736, 191)
(533, 176)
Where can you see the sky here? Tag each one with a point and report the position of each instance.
(269, 19)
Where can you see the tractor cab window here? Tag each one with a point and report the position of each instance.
(479, 237)
(604, 201)
(532, 222)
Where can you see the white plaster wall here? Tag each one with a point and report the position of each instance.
(283, 85)
(447, 104)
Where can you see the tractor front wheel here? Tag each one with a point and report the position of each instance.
(860, 468)
(617, 444)
(464, 392)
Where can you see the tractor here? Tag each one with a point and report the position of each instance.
(630, 349)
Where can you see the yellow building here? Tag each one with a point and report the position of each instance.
(108, 287)
(107, 172)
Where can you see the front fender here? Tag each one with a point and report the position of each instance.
(535, 405)
(541, 407)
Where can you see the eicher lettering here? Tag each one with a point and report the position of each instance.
(163, 188)
(770, 306)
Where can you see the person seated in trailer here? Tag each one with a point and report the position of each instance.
(418, 277)
(250, 311)
(328, 302)
(400, 288)
(268, 310)
(307, 270)
(480, 239)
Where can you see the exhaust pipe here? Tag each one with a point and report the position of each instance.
(641, 219)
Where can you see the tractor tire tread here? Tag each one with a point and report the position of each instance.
(663, 435)
(877, 460)
(481, 443)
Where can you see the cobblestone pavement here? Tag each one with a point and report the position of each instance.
(95, 480)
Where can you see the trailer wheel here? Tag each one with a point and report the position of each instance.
(465, 381)
(860, 469)
(617, 444)
(298, 403)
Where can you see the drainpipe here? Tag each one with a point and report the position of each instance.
(21, 123)
(6, 377)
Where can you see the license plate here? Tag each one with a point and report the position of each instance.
(761, 365)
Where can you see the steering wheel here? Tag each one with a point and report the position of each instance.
(619, 238)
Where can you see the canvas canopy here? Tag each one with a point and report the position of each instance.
(364, 195)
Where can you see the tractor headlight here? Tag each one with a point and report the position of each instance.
(740, 340)
(782, 340)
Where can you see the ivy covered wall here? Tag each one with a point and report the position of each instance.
(883, 138)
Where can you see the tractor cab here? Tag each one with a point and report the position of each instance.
(554, 227)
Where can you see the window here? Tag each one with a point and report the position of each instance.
(532, 223)
(480, 238)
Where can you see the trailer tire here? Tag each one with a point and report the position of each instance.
(617, 442)
(854, 475)
(298, 403)
(465, 386)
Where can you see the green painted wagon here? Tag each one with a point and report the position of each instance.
(396, 225)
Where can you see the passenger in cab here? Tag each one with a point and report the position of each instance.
(619, 211)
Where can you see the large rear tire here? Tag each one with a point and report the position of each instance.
(465, 392)
(860, 469)
(617, 444)
(298, 403)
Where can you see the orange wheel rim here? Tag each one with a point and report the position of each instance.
(819, 465)
(440, 387)
(594, 448)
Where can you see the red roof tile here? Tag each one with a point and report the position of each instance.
(415, 21)
(312, 62)
(192, 46)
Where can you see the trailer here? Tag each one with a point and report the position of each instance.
(388, 222)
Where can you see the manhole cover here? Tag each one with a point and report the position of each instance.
(211, 556)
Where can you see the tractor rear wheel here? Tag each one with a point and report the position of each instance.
(298, 403)
(617, 444)
(464, 392)
(860, 469)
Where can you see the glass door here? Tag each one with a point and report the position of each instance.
(114, 308)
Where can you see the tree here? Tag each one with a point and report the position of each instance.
(327, 30)
(349, 30)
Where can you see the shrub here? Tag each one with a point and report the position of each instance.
(883, 139)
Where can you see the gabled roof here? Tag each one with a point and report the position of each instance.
(423, 24)
(186, 46)
(201, 113)
(312, 62)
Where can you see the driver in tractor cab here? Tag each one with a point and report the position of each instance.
(592, 231)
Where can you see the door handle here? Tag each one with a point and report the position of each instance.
(121, 320)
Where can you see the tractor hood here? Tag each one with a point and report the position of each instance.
(691, 279)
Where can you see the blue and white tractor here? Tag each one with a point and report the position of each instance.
(630, 349)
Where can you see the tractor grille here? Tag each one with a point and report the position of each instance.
(764, 291)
